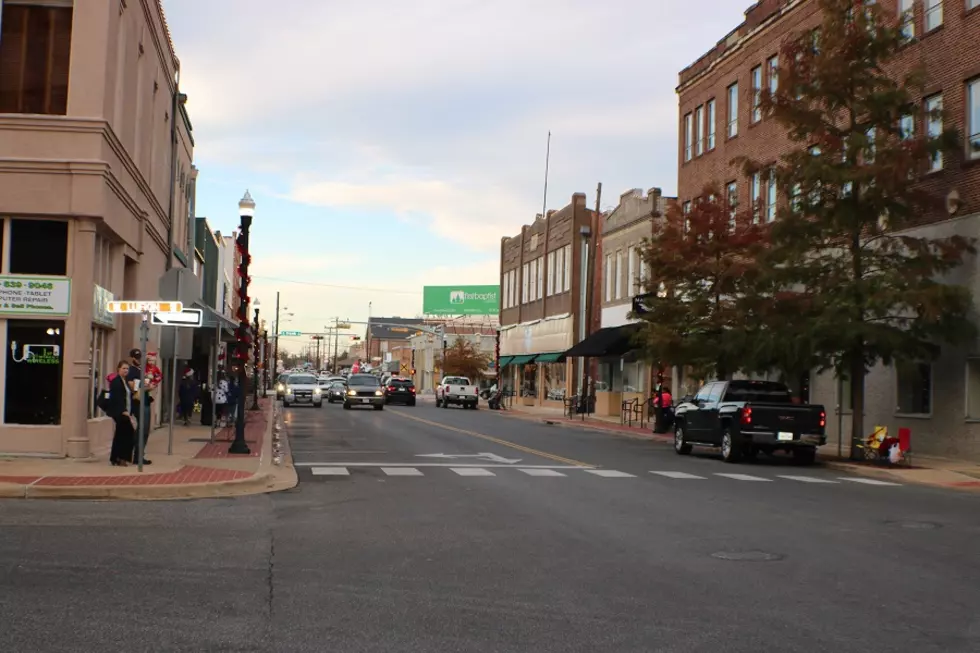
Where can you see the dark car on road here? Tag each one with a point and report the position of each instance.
(336, 391)
(364, 390)
(743, 418)
(400, 391)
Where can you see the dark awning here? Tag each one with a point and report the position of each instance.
(505, 361)
(554, 357)
(522, 359)
(611, 341)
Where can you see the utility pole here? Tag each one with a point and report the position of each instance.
(275, 342)
(589, 291)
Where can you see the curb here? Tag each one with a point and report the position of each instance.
(862, 470)
(652, 437)
(267, 478)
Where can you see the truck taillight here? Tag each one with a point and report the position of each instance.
(823, 418)
(747, 415)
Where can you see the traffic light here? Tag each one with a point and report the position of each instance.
(355, 337)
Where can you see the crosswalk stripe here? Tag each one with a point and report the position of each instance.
(868, 481)
(329, 471)
(401, 471)
(678, 475)
(609, 473)
(472, 471)
(745, 477)
(807, 479)
(541, 472)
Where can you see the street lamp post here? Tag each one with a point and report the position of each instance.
(256, 360)
(246, 209)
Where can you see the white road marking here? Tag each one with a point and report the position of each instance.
(364, 464)
(330, 471)
(472, 471)
(868, 481)
(401, 471)
(541, 472)
(807, 479)
(745, 477)
(610, 473)
(678, 475)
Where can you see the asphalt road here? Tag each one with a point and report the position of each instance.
(422, 529)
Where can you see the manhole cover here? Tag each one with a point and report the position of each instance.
(747, 556)
(915, 525)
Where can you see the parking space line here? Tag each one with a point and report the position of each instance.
(330, 471)
(472, 471)
(609, 473)
(541, 472)
(867, 481)
(401, 471)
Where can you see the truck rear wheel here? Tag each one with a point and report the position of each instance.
(731, 452)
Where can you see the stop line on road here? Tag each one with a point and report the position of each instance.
(564, 471)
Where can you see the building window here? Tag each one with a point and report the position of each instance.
(731, 200)
(771, 196)
(553, 375)
(539, 271)
(533, 274)
(641, 265)
(100, 366)
(757, 94)
(773, 68)
(688, 135)
(934, 14)
(39, 247)
(711, 124)
(35, 55)
(524, 284)
(755, 193)
(699, 119)
(506, 281)
(631, 270)
(686, 209)
(973, 116)
(609, 278)
(35, 365)
(905, 8)
(973, 385)
(568, 267)
(906, 126)
(934, 127)
(914, 386)
(733, 110)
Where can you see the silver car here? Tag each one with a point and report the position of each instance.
(302, 389)
(364, 390)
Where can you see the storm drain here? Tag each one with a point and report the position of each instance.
(747, 556)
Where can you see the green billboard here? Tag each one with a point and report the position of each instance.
(461, 300)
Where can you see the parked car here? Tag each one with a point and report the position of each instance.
(336, 391)
(743, 418)
(302, 389)
(400, 390)
(364, 390)
(457, 390)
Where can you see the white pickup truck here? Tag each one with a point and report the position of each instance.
(457, 390)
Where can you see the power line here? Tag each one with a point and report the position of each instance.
(338, 286)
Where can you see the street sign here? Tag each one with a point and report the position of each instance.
(145, 307)
(405, 369)
(343, 325)
(316, 337)
(189, 317)
(290, 333)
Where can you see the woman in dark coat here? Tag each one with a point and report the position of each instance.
(188, 397)
(120, 410)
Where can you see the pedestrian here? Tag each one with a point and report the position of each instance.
(120, 409)
(140, 408)
(187, 394)
(221, 399)
(234, 393)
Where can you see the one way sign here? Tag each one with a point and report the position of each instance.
(189, 317)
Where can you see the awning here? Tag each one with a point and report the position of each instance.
(554, 357)
(611, 341)
(505, 361)
(521, 359)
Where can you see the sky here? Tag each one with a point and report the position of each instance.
(391, 145)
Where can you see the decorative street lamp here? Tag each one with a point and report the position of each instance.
(246, 209)
(255, 363)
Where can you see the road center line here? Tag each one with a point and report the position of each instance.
(490, 438)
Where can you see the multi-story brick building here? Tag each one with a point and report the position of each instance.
(720, 120)
(542, 311)
(96, 196)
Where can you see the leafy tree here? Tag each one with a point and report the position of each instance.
(866, 288)
(703, 262)
(463, 358)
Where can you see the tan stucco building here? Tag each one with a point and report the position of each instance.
(95, 158)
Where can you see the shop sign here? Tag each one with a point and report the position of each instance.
(100, 307)
(38, 354)
(35, 296)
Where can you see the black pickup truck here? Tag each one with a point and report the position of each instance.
(743, 418)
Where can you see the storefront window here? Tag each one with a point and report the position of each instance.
(529, 383)
(99, 367)
(610, 377)
(634, 377)
(34, 369)
(39, 247)
(554, 381)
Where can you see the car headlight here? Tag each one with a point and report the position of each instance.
(289, 390)
(316, 391)
(351, 393)
(378, 393)
(281, 387)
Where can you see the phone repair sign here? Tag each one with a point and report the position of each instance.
(35, 296)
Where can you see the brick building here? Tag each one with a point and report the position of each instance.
(541, 307)
(719, 121)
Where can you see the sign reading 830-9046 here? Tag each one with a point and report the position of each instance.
(35, 296)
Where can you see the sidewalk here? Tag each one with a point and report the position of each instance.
(197, 468)
(925, 470)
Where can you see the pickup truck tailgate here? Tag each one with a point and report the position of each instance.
(791, 418)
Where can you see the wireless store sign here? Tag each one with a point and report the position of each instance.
(35, 296)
